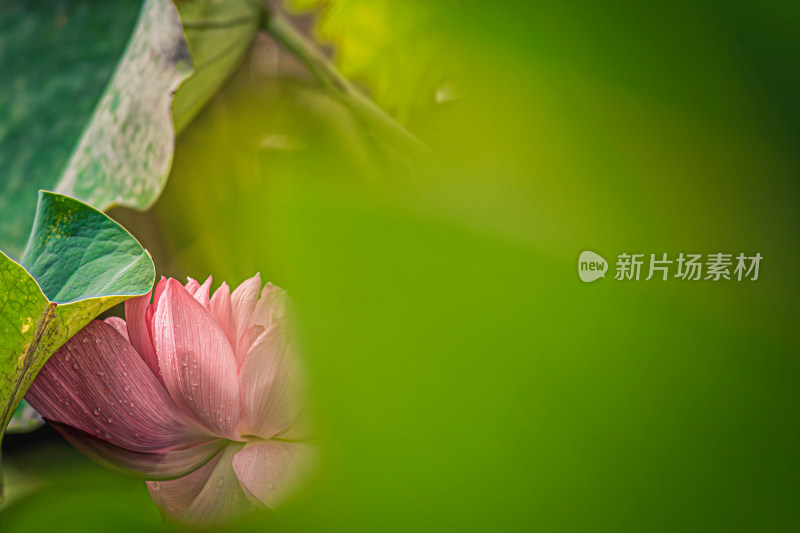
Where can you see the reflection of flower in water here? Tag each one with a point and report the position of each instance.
(195, 394)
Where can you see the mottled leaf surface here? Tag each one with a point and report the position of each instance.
(125, 153)
(56, 57)
(76, 253)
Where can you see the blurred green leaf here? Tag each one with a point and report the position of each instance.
(256, 130)
(219, 34)
(77, 264)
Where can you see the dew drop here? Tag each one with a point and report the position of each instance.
(97, 412)
(127, 387)
(68, 357)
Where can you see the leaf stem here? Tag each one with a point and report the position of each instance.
(211, 24)
(304, 49)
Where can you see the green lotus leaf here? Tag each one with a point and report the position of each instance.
(125, 152)
(77, 264)
(56, 58)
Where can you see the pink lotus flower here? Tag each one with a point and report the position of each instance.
(195, 394)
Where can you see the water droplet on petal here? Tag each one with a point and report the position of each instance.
(97, 412)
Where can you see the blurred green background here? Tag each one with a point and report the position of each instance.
(462, 377)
